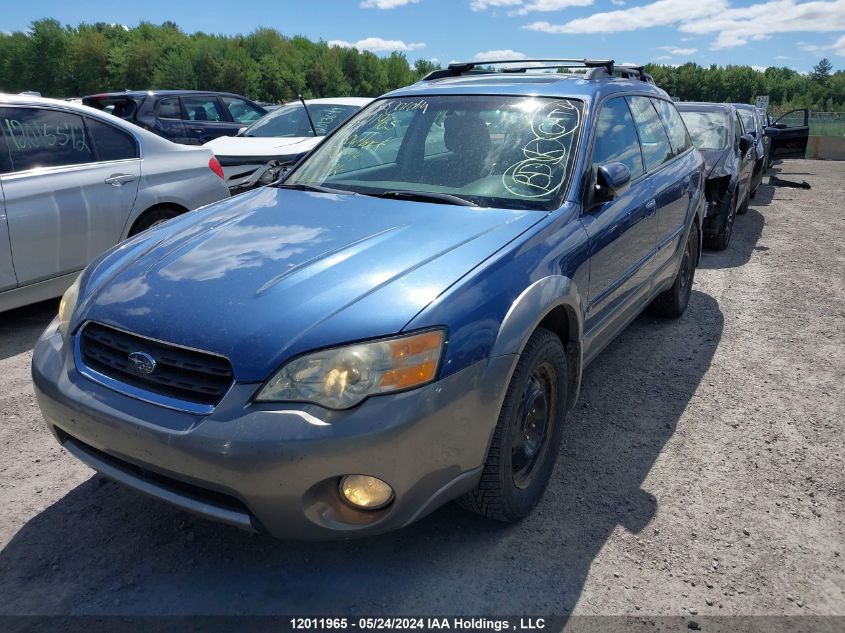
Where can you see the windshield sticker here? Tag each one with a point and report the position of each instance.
(542, 172)
(43, 136)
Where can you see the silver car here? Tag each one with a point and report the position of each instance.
(75, 181)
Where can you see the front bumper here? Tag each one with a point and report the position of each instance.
(276, 468)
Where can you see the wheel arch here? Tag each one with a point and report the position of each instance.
(553, 303)
(136, 217)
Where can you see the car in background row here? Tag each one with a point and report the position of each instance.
(188, 117)
(368, 343)
(259, 154)
(793, 133)
(752, 125)
(75, 182)
(729, 159)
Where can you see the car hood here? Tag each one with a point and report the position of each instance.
(714, 161)
(270, 146)
(273, 273)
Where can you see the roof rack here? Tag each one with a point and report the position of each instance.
(456, 69)
(596, 68)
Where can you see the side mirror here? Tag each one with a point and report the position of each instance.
(241, 131)
(771, 131)
(612, 180)
(746, 141)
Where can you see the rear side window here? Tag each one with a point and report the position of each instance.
(737, 129)
(653, 138)
(169, 108)
(37, 137)
(111, 143)
(616, 138)
(678, 136)
(203, 109)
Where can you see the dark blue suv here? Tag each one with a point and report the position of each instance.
(190, 117)
(402, 322)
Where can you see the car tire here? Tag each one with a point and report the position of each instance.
(153, 217)
(673, 302)
(722, 239)
(527, 437)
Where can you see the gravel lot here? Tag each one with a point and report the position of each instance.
(702, 471)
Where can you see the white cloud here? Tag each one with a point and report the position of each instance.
(731, 26)
(782, 57)
(662, 58)
(769, 18)
(378, 45)
(385, 4)
(483, 5)
(837, 48)
(549, 5)
(617, 3)
(498, 55)
(660, 13)
(675, 50)
(523, 7)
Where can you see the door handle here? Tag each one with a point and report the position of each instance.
(650, 208)
(198, 130)
(118, 180)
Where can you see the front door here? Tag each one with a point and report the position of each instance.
(794, 132)
(622, 232)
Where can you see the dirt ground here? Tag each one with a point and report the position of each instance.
(701, 473)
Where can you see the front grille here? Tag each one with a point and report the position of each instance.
(180, 373)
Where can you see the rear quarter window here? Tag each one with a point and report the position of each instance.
(674, 124)
(653, 138)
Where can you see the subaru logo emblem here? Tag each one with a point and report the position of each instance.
(142, 363)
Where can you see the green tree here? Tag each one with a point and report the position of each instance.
(821, 71)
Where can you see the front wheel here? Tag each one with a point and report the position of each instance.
(527, 437)
(722, 239)
(673, 302)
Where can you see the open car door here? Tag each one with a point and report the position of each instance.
(791, 141)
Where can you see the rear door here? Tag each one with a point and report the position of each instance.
(206, 119)
(794, 128)
(73, 183)
(168, 120)
(668, 179)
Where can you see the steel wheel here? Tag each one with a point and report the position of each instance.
(535, 416)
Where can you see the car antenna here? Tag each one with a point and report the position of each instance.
(302, 101)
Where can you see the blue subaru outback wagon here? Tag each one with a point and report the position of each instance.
(402, 322)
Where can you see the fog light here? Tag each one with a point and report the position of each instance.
(365, 492)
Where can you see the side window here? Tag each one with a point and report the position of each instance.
(653, 138)
(674, 124)
(37, 137)
(111, 143)
(616, 138)
(737, 129)
(241, 111)
(169, 108)
(203, 108)
(5, 159)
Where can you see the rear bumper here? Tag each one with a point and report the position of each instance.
(277, 468)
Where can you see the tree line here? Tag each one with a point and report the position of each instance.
(67, 61)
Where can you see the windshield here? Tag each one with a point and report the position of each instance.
(504, 151)
(290, 120)
(709, 130)
(747, 117)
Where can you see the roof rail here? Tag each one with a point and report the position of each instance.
(456, 69)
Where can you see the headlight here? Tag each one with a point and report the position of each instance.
(68, 305)
(342, 377)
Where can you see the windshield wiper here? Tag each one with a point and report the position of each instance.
(424, 196)
(317, 188)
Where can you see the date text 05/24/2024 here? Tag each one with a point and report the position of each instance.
(422, 623)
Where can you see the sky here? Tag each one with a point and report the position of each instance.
(792, 33)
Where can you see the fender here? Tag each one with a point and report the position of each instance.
(529, 310)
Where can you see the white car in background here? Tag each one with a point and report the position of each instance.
(261, 153)
(75, 181)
